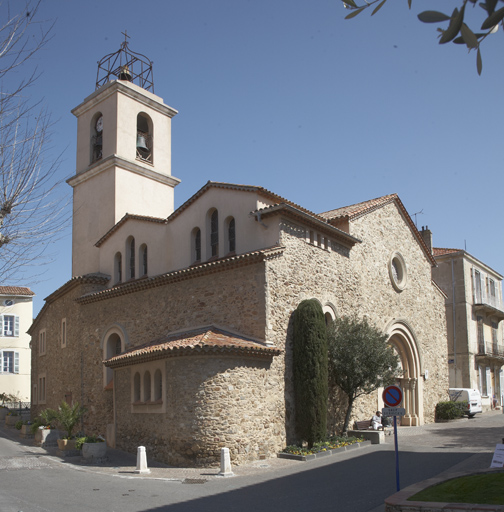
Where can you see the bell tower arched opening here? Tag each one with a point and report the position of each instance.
(144, 140)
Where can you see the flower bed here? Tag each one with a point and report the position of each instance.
(330, 447)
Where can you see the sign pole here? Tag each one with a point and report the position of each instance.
(393, 397)
(396, 455)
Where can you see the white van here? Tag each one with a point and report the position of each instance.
(471, 396)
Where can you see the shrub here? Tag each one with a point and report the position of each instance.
(67, 416)
(450, 410)
(79, 441)
(19, 424)
(323, 446)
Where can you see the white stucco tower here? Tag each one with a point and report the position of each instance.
(123, 154)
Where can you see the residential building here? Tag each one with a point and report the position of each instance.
(16, 316)
(474, 313)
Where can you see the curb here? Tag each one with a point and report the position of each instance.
(326, 453)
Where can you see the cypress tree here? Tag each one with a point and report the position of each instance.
(310, 372)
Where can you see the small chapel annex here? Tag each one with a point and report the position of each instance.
(175, 329)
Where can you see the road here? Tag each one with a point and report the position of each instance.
(358, 481)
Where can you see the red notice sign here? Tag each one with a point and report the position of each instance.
(392, 396)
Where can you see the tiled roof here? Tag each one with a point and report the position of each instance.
(128, 216)
(310, 218)
(355, 210)
(205, 340)
(94, 278)
(183, 274)
(232, 186)
(15, 290)
(438, 251)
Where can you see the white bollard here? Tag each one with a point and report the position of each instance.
(225, 463)
(141, 466)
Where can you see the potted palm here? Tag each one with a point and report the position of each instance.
(45, 433)
(67, 416)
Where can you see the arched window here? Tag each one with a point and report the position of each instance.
(158, 386)
(329, 311)
(118, 267)
(144, 142)
(214, 234)
(146, 387)
(196, 245)
(112, 347)
(231, 235)
(96, 137)
(136, 387)
(143, 259)
(130, 247)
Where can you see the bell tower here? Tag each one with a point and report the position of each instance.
(123, 154)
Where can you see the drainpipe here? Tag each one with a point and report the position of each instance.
(454, 324)
(258, 218)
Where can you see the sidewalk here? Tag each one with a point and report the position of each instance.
(457, 435)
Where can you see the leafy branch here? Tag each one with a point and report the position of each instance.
(457, 31)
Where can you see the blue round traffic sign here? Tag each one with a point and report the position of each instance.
(392, 396)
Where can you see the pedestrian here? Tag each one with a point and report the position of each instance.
(376, 421)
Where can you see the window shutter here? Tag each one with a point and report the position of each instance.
(16, 362)
(488, 381)
(1, 325)
(16, 326)
(484, 282)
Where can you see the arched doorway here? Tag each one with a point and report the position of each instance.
(403, 341)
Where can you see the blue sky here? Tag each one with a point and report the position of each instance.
(288, 95)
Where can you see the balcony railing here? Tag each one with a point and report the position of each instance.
(491, 349)
(490, 309)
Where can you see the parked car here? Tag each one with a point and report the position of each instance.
(471, 396)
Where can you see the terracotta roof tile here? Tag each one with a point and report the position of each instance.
(438, 251)
(310, 218)
(183, 274)
(129, 216)
(15, 290)
(232, 186)
(205, 340)
(355, 210)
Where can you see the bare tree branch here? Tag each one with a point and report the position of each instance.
(32, 215)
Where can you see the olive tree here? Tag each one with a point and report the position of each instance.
(456, 29)
(360, 359)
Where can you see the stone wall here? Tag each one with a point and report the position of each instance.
(357, 281)
(420, 305)
(70, 371)
(212, 402)
(232, 299)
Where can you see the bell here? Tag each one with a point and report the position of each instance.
(125, 74)
(141, 143)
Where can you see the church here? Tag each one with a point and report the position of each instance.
(175, 331)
